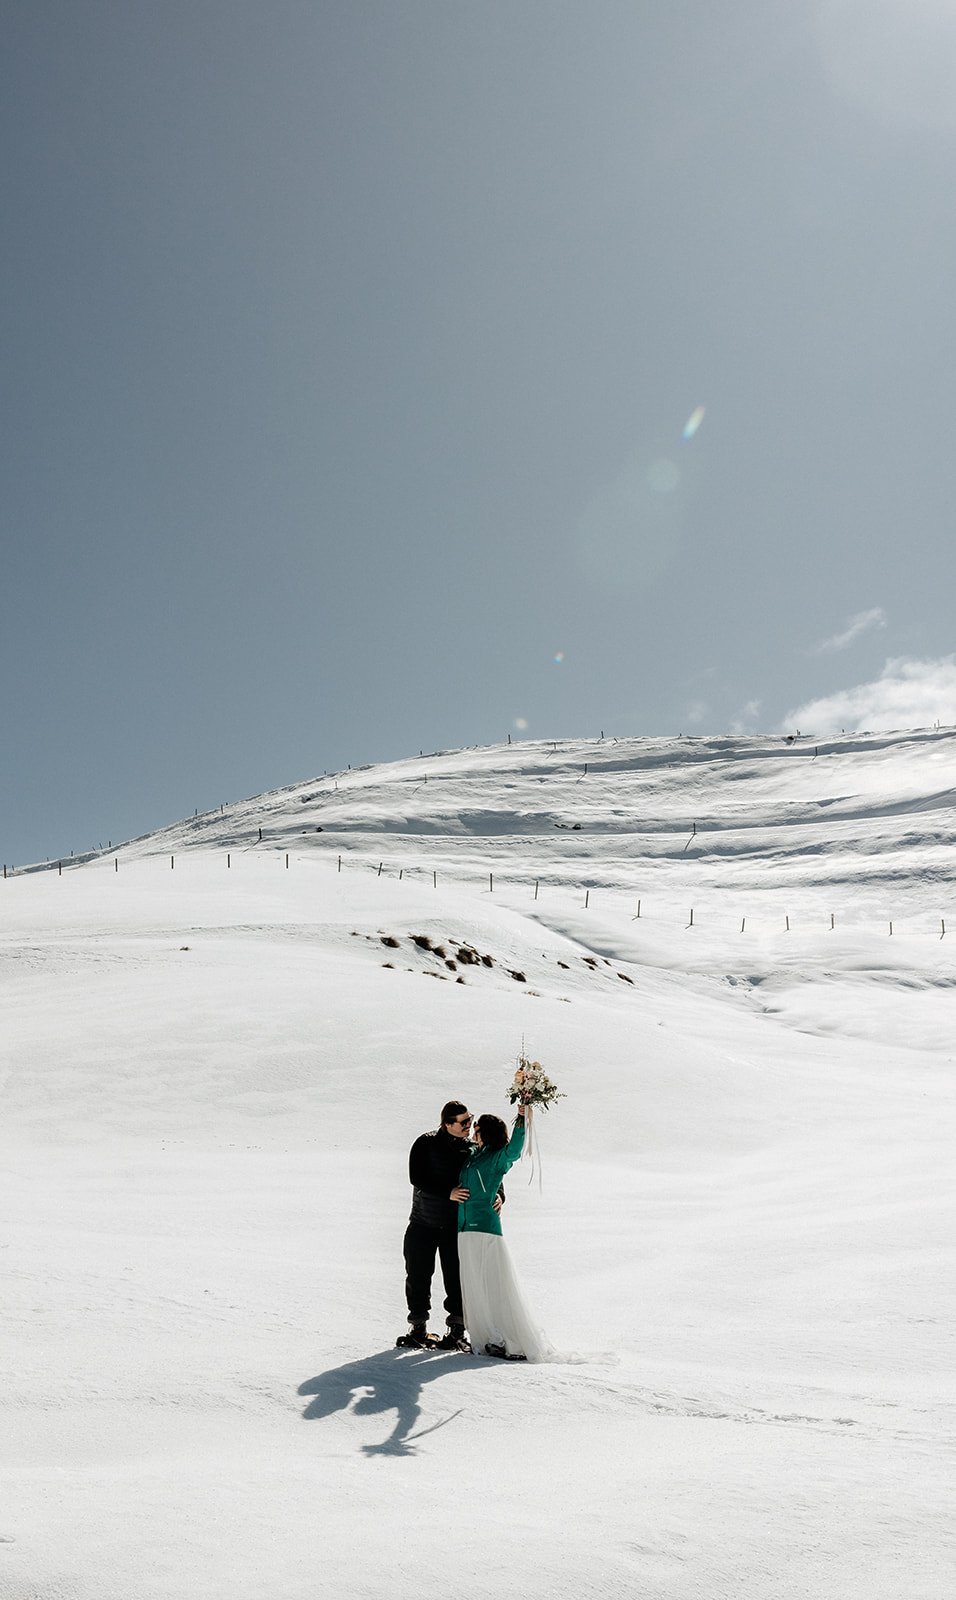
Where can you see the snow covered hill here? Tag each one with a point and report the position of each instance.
(875, 813)
(219, 1042)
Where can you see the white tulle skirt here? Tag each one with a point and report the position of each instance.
(496, 1311)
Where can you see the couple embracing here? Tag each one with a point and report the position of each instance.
(456, 1176)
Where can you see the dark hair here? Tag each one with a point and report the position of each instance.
(494, 1132)
(451, 1111)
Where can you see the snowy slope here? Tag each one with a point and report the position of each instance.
(217, 1049)
(874, 813)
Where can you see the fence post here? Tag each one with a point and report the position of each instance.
(536, 888)
(832, 923)
(434, 880)
(691, 922)
(228, 859)
(379, 872)
(340, 863)
(172, 863)
(401, 873)
(491, 883)
(587, 896)
(891, 929)
(943, 921)
(743, 923)
(788, 924)
(116, 863)
(287, 861)
(59, 869)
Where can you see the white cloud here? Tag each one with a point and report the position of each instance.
(861, 623)
(744, 721)
(907, 694)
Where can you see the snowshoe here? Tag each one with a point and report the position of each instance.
(417, 1338)
(501, 1354)
(453, 1340)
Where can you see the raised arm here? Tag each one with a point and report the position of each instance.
(515, 1144)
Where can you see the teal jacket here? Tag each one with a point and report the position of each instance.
(481, 1175)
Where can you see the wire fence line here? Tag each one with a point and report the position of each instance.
(582, 896)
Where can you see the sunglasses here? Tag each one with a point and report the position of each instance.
(464, 1122)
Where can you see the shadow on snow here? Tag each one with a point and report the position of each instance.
(392, 1380)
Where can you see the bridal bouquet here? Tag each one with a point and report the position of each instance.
(532, 1085)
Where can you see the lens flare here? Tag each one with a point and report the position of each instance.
(521, 724)
(693, 422)
(559, 657)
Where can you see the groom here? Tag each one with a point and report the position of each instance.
(434, 1165)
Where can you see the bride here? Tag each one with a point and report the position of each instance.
(497, 1315)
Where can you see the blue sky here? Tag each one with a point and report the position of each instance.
(348, 356)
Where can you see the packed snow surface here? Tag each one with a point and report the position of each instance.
(735, 956)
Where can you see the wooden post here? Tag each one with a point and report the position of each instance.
(691, 922)
(832, 923)
(379, 872)
(788, 924)
(891, 930)
(587, 896)
(172, 863)
(943, 921)
(228, 859)
(340, 863)
(491, 883)
(287, 861)
(743, 923)
(434, 880)
(59, 869)
(260, 835)
(401, 873)
(536, 888)
(116, 863)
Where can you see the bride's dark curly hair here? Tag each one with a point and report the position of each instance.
(494, 1132)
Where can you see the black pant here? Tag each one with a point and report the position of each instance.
(421, 1244)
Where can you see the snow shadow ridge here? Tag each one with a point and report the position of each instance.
(391, 1380)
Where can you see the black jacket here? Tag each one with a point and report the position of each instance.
(434, 1163)
(434, 1167)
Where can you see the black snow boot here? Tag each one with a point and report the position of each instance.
(454, 1339)
(501, 1354)
(417, 1337)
